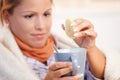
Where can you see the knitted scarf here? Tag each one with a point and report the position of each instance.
(40, 54)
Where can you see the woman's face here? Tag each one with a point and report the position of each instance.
(31, 21)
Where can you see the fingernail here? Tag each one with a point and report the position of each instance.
(75, 29)
(73, 24)
(81, 75)
(87, 32)
(76, 34)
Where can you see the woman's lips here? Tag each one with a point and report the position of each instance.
(41, 35)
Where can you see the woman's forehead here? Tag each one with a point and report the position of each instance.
(34, 5)
(34, 2)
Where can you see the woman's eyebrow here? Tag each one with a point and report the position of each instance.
(33, 10)
(49, 9)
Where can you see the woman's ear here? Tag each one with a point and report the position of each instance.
(6, 16)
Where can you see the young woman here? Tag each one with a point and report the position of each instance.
(26, 46)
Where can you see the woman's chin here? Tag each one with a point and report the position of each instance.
(38, 45)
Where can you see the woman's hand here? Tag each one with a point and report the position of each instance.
(84, 34)
(58, 69)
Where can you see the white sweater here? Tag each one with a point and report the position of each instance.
(13, 66)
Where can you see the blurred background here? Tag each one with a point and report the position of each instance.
(104, 14)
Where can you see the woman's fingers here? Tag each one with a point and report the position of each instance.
(83, 25)
(63, 71)
(59, 69)
(91, 33)
(85, 39)
(78, 21)
(76, 77)
(87, 33)
(59, 65)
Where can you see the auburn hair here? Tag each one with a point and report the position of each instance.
(9, 5)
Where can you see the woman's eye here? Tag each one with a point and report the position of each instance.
(28, 16)
(47, 14)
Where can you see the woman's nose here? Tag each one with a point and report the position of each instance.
(39, 23)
